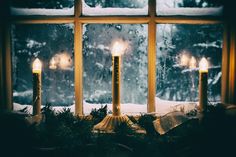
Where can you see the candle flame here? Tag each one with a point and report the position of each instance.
(37, 66)
(119, 47)
(192, 63)
(203, 65)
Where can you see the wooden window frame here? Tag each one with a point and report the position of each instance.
(151, 19)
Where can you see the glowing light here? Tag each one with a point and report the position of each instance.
(52, 64)
(117, 49)
(184, 60)
(37, 66)
(192, 63)
(61, 61)
(65, 61)
(203, 65)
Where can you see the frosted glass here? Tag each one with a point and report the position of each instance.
(189, 7)
(42, 7)
(97, 63)
(179, 50)
(45, 41)
(114, 7)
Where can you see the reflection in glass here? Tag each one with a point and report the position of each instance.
(180, 47)
(97, 63)
(53, 45)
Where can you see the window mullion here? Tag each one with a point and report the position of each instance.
(6, 69)
(151, 57)
(1, 71)
(115, 19)
(225, 68)
(78, 60)
(78, 8)
(46, 20)
(232, 66)
(187, 20)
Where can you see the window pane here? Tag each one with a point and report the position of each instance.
(45, 41)
(179, 50)
(115, 7)
(189, 7)
(42, 7)
(97, 63)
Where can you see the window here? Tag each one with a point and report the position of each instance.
(97, 63)
(158, 33)
(50, 43)
(179, 50)
(189, 7)
(115, 7)
(42, 7)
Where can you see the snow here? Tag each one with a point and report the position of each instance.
(103, 47)
(41, 11)
(171, 7)
(162, 107)
(217, 78)
(99, 46)
(208, 45)
(214, 11)
(197, 69)
(98, 10)
(32, 43)
(99, 65)
(23, 94)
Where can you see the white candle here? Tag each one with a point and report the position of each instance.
(203, 76)
(116, 60)
(37, 84)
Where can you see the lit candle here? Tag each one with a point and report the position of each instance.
(203, 74)
(116, 53)
(37, 83)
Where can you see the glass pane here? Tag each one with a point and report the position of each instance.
(179, 50)
(115, 7)
(97, 60)
(189, 7)
(47, 42)
(42, 7)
